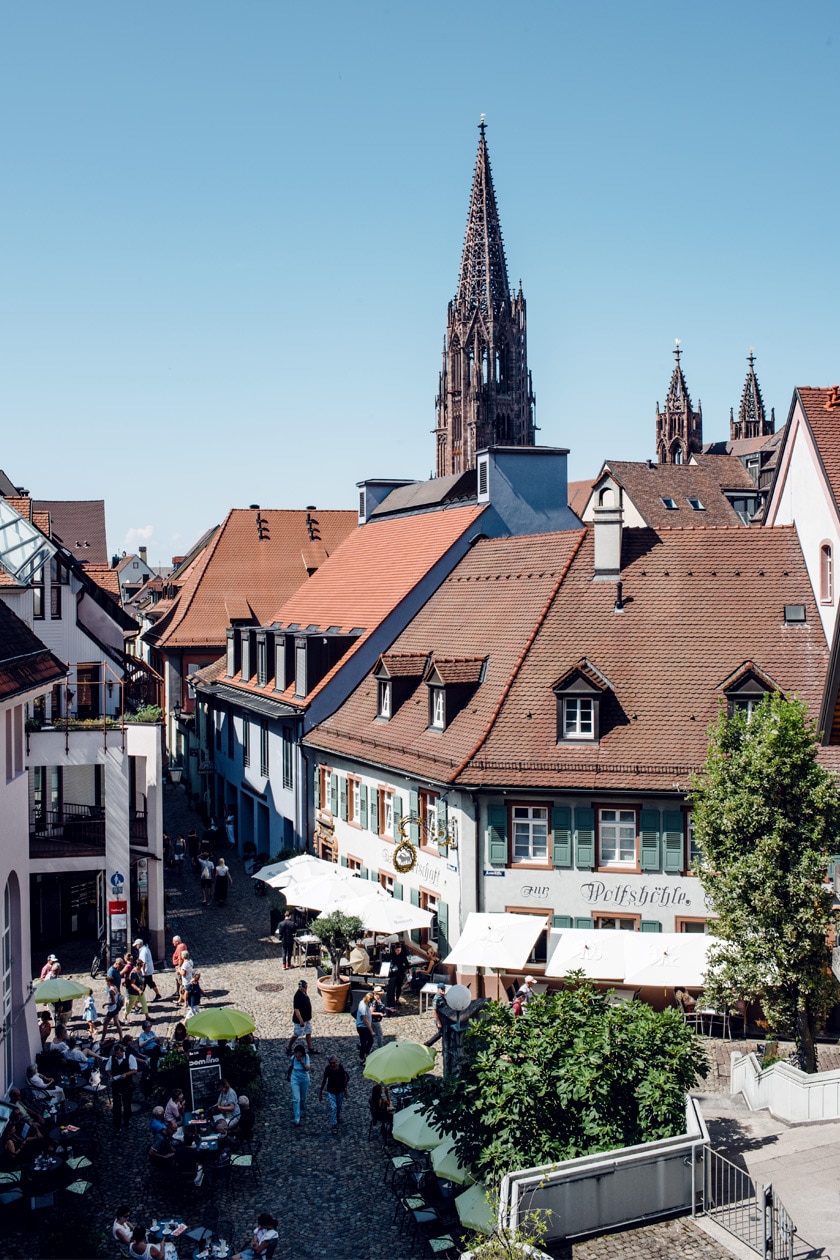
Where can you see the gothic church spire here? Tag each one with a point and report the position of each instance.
(679, 428)
(485, 395)
(752, 418)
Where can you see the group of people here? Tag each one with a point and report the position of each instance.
(204, 859)
(136, 1237)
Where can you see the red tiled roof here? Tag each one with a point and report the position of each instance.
(24, 660)
(238, 565)
(22, 506)
(824, 423)
(577, 495)
(697, 603)
(79, 524)
(404, 664)
(490, 605)
(648, 484)
(106, 578)
(456, 671)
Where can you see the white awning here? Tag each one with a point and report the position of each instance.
(300, 867)
(666, 959)
(501, 941)
(598, 953)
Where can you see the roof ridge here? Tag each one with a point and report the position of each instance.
(522, 655)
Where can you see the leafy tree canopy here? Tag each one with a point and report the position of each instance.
(572, 1077)
(766, 816)
(335, 931)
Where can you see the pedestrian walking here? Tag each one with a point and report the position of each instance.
(208, 874)
(89, 1014)
(185, 975)
(299, 1080)
(223, 882)
(194, 993)
(286, 932)
(230, 821)
(178, 951)
(114, 1002)
(364, 1027)
(144, 957)
(301, 1018)
(396, 975)
(46, 970)
(439, 1006)
(179, 855)
(122, 1069)
(135, 987)
(335, 1080)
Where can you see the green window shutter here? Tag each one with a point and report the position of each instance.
(585, 839)
(398, 891)
(561, 920)
(373, 819)
(414, 896)
(442, 818)
(343, 860)
(399, 810)
(342, 799)
(649, 828)
(497, 835)
(674, 841)
(363, 872)
(317, 787)
(333, 794)
(650, 925)
(363, 809)
(443, 928)
(583, 923)
(413, 808)
(561, 835)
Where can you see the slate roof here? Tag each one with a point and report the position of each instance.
(24, 660)
(490, 605)
(237, 568)
(377, 566)
(697, 603)
(648, 484)
(437, 491)
(79, 525)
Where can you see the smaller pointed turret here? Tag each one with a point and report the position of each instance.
(679, 428)
(752, 417)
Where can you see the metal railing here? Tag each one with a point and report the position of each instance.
(756, 1216)
(75, 829)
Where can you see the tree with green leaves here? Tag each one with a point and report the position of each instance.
(766, 816)
(571, 1077)
(335, 931)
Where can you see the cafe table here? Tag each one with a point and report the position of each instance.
(167, 1230)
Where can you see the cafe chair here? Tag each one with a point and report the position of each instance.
(404, 1206)
(84, 1190)
(249, 1159)
(443, 1245)
(396, 1165)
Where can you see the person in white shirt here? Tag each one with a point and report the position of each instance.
(227, 1104)
(144, 957)
(45, 1085)
(265, 1232)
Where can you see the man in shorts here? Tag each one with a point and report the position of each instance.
(302, 1018)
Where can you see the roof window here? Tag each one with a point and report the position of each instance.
(669, 503)
(794, 614)
(696, 505)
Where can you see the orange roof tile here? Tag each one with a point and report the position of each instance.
(577, 495)
(824, 422)
(106, 578)
(238, 565)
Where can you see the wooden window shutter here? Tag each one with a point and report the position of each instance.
(343, 860)
(650, 925)
(649, 829)
(442, 818)
(363, 872)
(413, 809)
(398, 812)
(581, 922)
(373, 820)
(342, 803)
(414, 896)
(561, 835)
(362, 820)
(561, 920)
(333, 794)
(497, 835)
(317, 783)
(443, 928)
(585, 839)
(398, 891)
(674, 838)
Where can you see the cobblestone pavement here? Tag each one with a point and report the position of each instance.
(329, 1193)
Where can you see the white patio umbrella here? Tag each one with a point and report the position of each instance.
(381, 912)
(301, 867)
(501, 941)
(598, 953)
(667, 959)
(336, 891)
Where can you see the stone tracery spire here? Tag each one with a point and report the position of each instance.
(752, 417)
(679, 428)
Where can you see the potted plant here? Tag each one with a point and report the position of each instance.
(335, 931)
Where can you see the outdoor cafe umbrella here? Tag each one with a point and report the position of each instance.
(221, 1023)
(300, 867)
(399, 1061)
(666, 959)
(447, 1165)
(474, 1209)
(413, 1129)
(59, 989)
(330, 892)
(380, 912)
(598, 954)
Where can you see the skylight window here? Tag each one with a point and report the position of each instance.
(670, 504)
(697, 505)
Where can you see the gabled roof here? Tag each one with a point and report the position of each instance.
(455, 671)
(648, 484)
(239, 569)
(79, 525)
(401, 665)
(25, 662)
(744, 672)
(106, 578)
(490, 606)
(583, 669)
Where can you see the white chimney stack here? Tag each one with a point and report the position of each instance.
(607, 531)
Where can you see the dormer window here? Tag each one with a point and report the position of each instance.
(384, 708)
(437, 708)
(579, 695)
(397, 676)
(452, 682)
(746, 688)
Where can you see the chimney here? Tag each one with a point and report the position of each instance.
(607, 533)
(142, 551)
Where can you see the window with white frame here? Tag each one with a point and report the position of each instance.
(826, 574)
(326, 790)
(387, 882)
(695, 853)
(384, 709)
(529, 833)
(617, 834)
(428, 808)
(578, 717)
(355, 800)
(615, 922)
(387, 813)
(431, 902)
(747, 705)
(437, 708)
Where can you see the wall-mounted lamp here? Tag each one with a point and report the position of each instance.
(177, 711)
(175, 773)
(110, 687)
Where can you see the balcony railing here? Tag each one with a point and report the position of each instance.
(138, 828)
(73, 831)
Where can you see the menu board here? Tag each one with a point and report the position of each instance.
(205, 1075)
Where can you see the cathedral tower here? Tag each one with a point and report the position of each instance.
(485, 396)
(679, 428)
(752, 419)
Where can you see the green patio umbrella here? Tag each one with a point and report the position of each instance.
(399, 1061)
(59, 989)
(413, 1129)
(447, 1165)
(474, 1209)
(221, 1023)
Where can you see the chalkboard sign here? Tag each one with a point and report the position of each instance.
(205, 1075)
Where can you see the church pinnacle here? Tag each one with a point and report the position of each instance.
(752, 419)
(485, 395)
(679, 428)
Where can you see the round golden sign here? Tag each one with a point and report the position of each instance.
(405, 857)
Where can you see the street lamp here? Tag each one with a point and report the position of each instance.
(458, 997)
(175, 773)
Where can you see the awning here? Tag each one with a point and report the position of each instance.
(501, 941)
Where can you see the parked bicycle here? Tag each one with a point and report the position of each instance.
(100, 959)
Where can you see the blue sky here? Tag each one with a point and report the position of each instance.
(231, 232)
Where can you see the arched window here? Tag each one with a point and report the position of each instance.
(606, 497)
(826, 574)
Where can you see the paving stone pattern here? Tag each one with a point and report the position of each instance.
(329, 1192)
